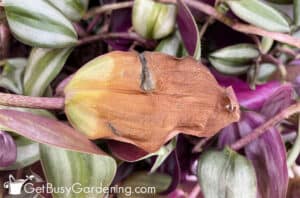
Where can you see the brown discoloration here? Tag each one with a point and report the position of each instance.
(182, 97)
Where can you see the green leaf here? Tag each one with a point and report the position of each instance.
(297, 12)
(229, 68)
(152, 19)
(72, 9)
(170, 45)
(43, 66)
(162, 154)
(151, 183)
(226, 174)
(237, 54)
(12, 75)
(39, 24)
(265, 71)
(266, 45)
(260, 14)
(66, 168)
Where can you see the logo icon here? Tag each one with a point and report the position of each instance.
(15, 186)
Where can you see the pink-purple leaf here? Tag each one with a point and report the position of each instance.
(126, 152)
(46, 131)
(8, 150)
(188, 30)
(248, 98)
(279, 100)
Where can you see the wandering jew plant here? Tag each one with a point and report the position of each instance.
(150, 98)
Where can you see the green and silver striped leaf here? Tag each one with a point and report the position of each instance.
(229, 68)
(152, 19)
(66, 168)
(260, 14)
(39, 24)
(237, 54)
(266, 45)
(226, 174)
(170, 45)
(72, 9)
(12, 75)
(43, 66)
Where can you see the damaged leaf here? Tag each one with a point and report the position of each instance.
(146, 99)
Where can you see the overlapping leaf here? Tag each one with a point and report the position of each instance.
(188, 30)
(12, 75)
(43, 66)
(39, 24)
(260, 14)
(66, 168)
(235, 59)
(73, 9)
(46, 131)
(226, 174)
(8, 150)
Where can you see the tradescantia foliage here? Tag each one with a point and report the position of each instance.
(43, 66)
(235, 60)
(37, 23)
(260, 14)
(230, 174)
(153, 20)
(12, 75)
(72, 9)
(88, 170)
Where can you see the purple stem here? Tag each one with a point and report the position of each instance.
(31, 102)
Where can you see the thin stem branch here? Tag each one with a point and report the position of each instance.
(294, 152)
(117, 35)
(295, 108)
(287, 51)
(106, 8)
(80, 31)
(31, 102)
(240, 27)
(203, 29)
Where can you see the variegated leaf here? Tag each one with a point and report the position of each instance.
(260, 14)
(39, 24)
(43, 66)
(12, 75)
(66, 168)
(73, 9)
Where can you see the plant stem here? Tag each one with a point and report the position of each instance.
(295, 108)
(117, 35)
(295, 151)
(80, 31)
(108, 7)
(240, 27)
(31, 102)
